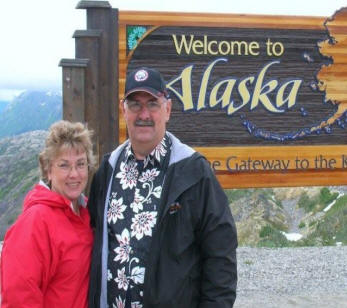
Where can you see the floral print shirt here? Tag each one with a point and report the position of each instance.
(132, 214)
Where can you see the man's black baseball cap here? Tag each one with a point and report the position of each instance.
(145, 79)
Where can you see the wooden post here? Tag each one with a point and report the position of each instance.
(74, 89)
(102, 22)
(88, 46)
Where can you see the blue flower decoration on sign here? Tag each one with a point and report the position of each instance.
(134, 33)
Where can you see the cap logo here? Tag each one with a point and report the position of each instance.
(141, 75)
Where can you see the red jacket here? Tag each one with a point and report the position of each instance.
(46, 255)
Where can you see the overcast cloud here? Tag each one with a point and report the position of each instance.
(36, 34)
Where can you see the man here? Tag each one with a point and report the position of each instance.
(164, 234)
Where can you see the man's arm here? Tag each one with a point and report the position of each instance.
(92, 201)
(98, 184)
(218, 242)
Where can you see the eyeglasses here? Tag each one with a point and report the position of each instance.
(80, 166)
(135, 106)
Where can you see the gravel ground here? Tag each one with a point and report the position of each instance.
(292, 277)
(309, 277)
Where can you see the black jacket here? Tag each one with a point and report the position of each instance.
(193, 251)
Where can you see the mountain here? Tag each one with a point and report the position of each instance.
(3, 105)
(18, 173)
(31, 110)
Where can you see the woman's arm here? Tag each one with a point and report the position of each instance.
(25, 260)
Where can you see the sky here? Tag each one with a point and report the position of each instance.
(35, 35)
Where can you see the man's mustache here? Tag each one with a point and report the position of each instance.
(144, 123)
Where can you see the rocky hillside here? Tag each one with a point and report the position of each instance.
(18, 172)
(290, 217)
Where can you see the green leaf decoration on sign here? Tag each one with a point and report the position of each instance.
(134, 33)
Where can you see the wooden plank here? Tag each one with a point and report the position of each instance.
(84, 4)
(74, 62)
(221, 20)
(316, 157)
(273, 179)
(87, 34)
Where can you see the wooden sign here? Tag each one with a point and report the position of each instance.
(264, 98)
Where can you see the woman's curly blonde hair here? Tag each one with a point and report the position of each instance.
(65, 135)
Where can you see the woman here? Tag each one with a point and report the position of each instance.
(46, 254)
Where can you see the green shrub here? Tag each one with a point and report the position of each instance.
(326, 197)
(318, 203)
(271, 237)
(302, 225)
(340, 207)
(266, 231)
(333, 228)
(279, 203)
(236, 194)
(306, 203)
(312, 223)
(306, 242)
(277, 239)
